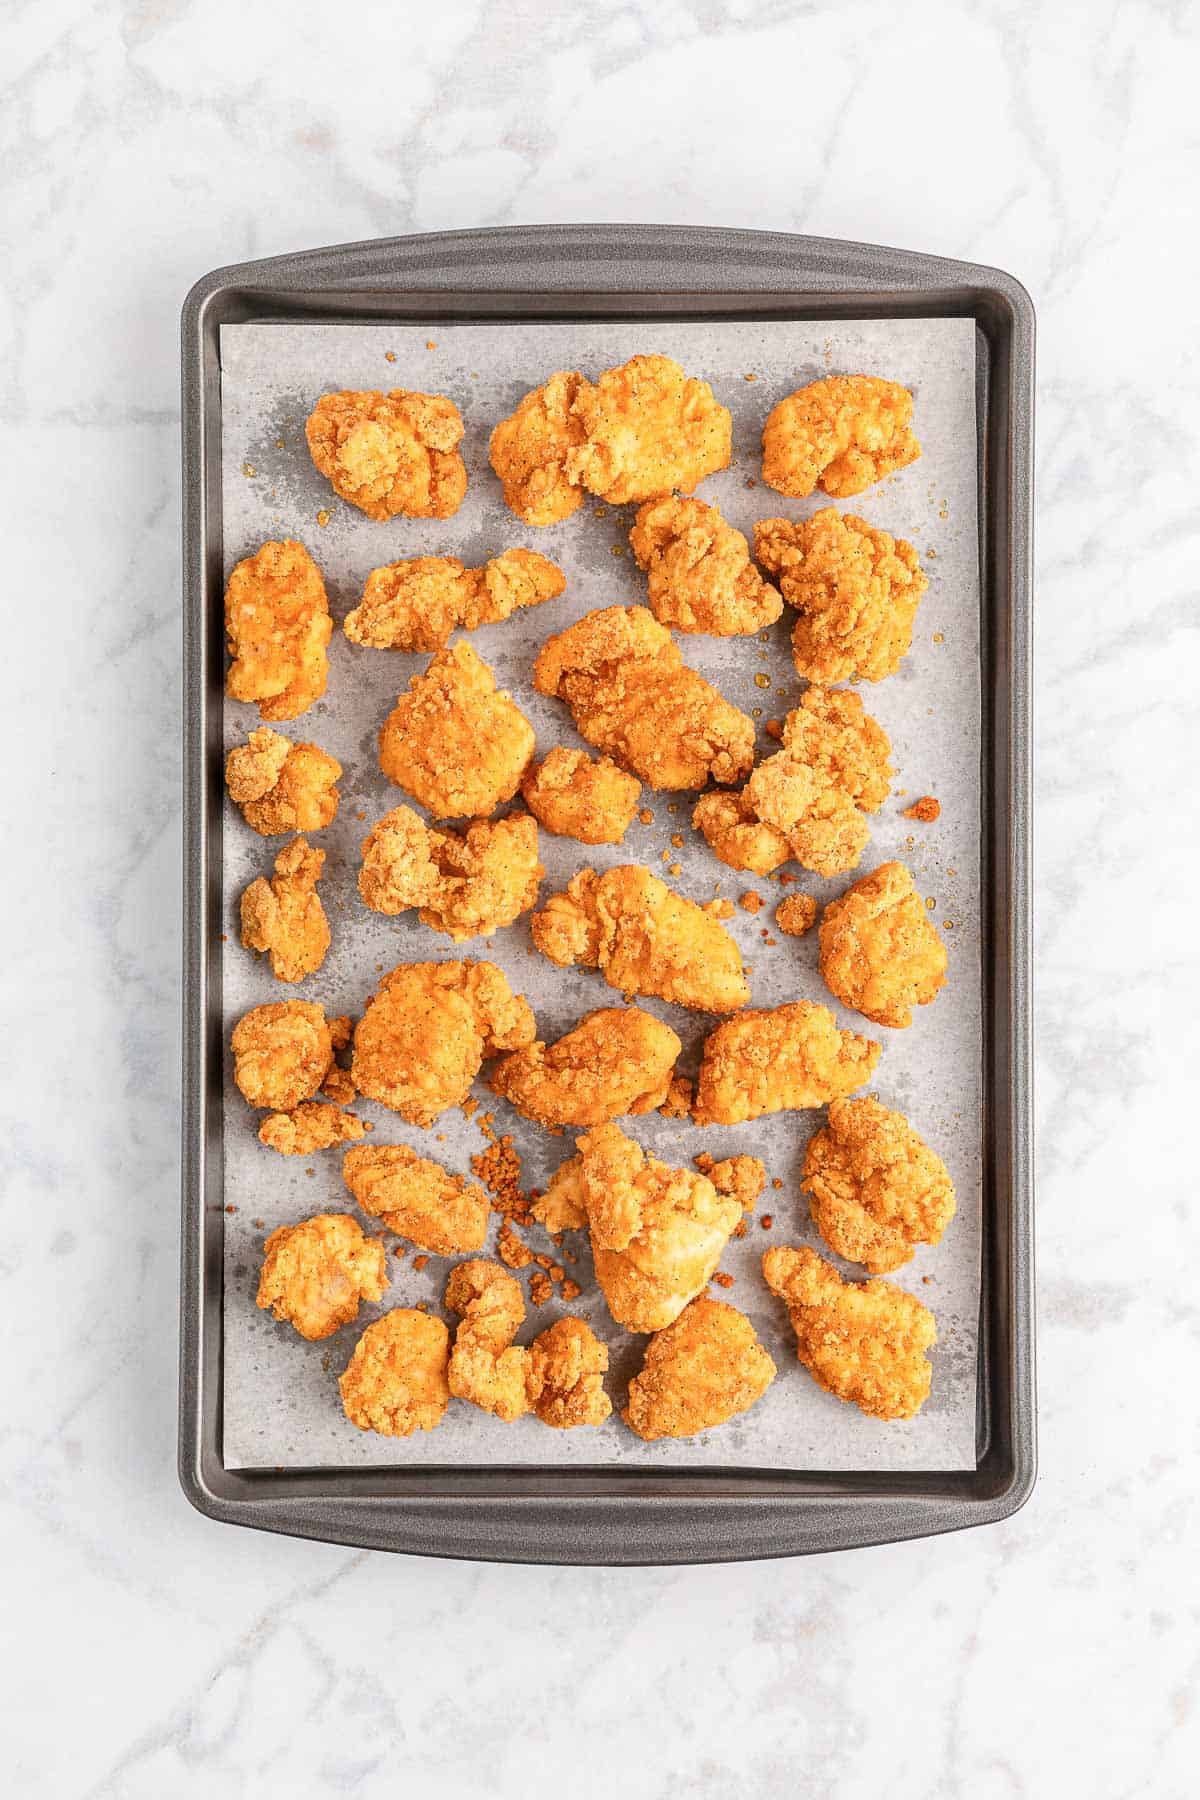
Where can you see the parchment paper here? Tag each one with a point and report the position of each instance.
(281, 1403)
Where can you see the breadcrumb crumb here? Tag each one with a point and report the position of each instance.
(926, 809)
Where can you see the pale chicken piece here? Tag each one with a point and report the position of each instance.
(785, 1058)
(864, 1342)
(281, 1053)
(454, 742)
(279, 786)
(390, 453)
(417, 1199)
(424, 1035)
(565, 1375)
(796, 915)
(309, 1127)
(572, 794)
(283, 918)
(315, 1274)
(278, 628)
(615, 1061)
(467, 886)
(840, 434)
(415, 605)
(880, 953)
(643, 938)
(486, 1367)
(648, 429)
(875, 1188)
(529, 449)
(700, 1371)
(395, 1383)
(699, 573)
(632, 696)
(856, 590)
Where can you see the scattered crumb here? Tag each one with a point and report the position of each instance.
(400, 1250)
(677, 839)
(749, 377)
(796, 914)
(721, 909)
(776, 1183)
(739, 1229)
(431, 344)
(420, 1262)
(678, 1103)
(540, 1288)
(750, 482)
(571, 1290)
(768, 939)
(767, 1220)
(323, 518)
(646, 817)
(675, 869)
(469, 1107)
(389, 356)
(927, 809)
(499, 1169)
(939, 637)
(248, 469)
(751, 902)
(666, 856)
(557, 1272)
(723, 1280)
(617, 550)
(231, 1209)
(512, 1250)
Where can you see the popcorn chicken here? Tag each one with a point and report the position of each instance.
(465, 886)
(700, 1371)
(615, 1061)
(308, 1128)
(700, 576)
(314, 1274)
(648, 429)
(796, 915)
(284, 918)
(395, 1383)
(565, 1375)
(529, 449)
(486, 1367)
(415, 605)
(788, 1057)
(278, 626)
(390, 453)
(880, 955)
(572, 794)
(453, 741)
(876, 1190)
(417, 1199)
(281, 1052)
(279, 786)
(842, 434)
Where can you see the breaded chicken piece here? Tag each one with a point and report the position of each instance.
(880, 954)
(796, 915)
(840, 434)
(572, 794)
(278, 626)
(657, 1233)
(309, 1127)
(395, 1382)
(279, 786)
(700, 1371)
(864, 1342)
(314, 1274)
(643, 938)
(778, 1060)
(486, 1367)
(805, 802)
(417, 1199)
(742, 1177)
(648, 429)
(416, 605)
(454, 742)
(529, 452)
(876, 1189)
(616, 1061)
(855, 588)
(390, 453)
(465, 886)
(565, 1375)
(284, 918)
(281, 1052)
(420, 1043)
(700, 576)
(632, 696)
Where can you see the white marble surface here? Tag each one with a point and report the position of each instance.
(147, 1652)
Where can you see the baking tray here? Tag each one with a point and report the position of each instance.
(618, 1514)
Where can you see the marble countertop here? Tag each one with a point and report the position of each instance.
(148, 1652)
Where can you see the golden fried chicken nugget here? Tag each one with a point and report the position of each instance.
(284, 918)
(416, 605)
(417, 1199)
(486, 1367)
(863, 1342)
(615, 1061)
(572, 794)
(632, 696)
(420, 1043)
(643, 938)
(465, 886)
(395, 1383)
(309, 1127)
(648, 429)
(880, 953)
(784, 1058)
(876, 1189)
(281, 1052)
(314, 1274)
(700, 576)
(701, 1370)
(840, 434)
(529, 451)
(390, 453)
(796, 915)
(279, 786)
(278, 626)
(454, 742)
(856, 590)
(565, 1375)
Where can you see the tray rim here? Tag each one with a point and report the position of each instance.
(607, 1515)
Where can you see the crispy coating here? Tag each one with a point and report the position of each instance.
(417, 1199)
(529, 451)
(486, 1367)
(467, 886)
(864, 1342)
(395, 1382)
(796, 915)
(632, 696)
(742, 1177)
(648, 429)
(777, 1060)
(390, 453)
(416, 605)
(657, 1233)
(643, 938)
(806, 801)
(281, 1052)
(279, 786)
(454, 742)
(284, 918)
(420, 1043)
(699, 573)
(572, 794)
(278, 626)
(314, 1274)
(876, 1189)
(880, 954)
(309, 1127)
(700, 1371)
(615, 1061)
(856, 590)
(565, 1375)
(840, 434)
